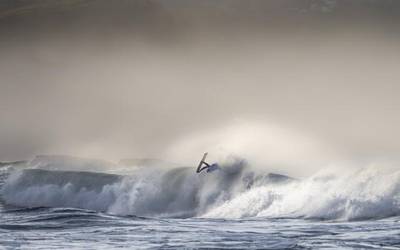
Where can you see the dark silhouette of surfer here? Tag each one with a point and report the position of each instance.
(210, 168)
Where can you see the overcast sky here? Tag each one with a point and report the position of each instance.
(173, 80)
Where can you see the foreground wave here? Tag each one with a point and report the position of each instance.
(234, 192)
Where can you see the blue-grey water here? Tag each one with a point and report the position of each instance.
(58, 209)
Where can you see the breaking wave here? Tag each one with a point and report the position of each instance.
(235, 191)
(367, 193)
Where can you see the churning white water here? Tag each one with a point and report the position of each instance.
(235, 206)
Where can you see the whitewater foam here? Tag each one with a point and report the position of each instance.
(368, 193)
(234, 192)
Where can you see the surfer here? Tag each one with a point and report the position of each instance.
(210, 168)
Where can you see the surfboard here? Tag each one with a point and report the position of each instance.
(201, 162)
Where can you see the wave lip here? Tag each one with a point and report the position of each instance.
(69, 163)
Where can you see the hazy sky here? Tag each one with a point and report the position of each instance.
(296, 81)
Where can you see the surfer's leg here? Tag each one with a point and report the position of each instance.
(202, 168)
(205, 163)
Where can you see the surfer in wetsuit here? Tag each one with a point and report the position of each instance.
(210, 168)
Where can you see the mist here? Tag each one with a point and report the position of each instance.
(281, 84)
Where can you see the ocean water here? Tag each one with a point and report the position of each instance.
(53, 205)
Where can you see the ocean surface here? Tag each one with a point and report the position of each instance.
(52, 203)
